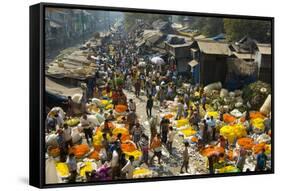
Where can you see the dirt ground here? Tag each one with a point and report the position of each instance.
(170, 163)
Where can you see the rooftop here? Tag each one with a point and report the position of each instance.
(188, 41)
(213, 47)
(244, 56)
(264, 48)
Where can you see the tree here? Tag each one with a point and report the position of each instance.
(213, 26)
(208, 26)
(256, 29)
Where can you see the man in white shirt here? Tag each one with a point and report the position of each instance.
(212, 124)
(170, 139)
(66, 134)
(128, 168)
(185, 157)
(129, 82)
(85, 123)
(59, 119)
(180, 110)
(132, 105)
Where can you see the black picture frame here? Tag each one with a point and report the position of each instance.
(37, 95)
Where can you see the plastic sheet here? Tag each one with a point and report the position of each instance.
(93, 119)
(266, 107)
(96, 101)
(51, 171)
(100, 118)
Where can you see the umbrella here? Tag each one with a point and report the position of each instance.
(142, 64)
(157, 60)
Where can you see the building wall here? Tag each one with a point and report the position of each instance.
(182, 65)
(265, 69)
(213, 68)
(182, 56)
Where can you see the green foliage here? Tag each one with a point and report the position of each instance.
(119, 81)
(235, 29)
(213, 26)
(208, 26)
(253, 94)
(238, 28)
(178, 19)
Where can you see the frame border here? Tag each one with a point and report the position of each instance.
(43, 6)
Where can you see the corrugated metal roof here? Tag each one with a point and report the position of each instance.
(60, 89)
(213, 47)
(149, 37)
(264, 48)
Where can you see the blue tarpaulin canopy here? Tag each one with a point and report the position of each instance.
(220, 36)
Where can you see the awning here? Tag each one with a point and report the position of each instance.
(193, 63)
(264, 48)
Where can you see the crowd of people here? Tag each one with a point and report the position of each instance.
(119, 72)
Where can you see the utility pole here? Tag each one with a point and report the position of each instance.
(83, 28)
(104, 20)
(108, 19)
